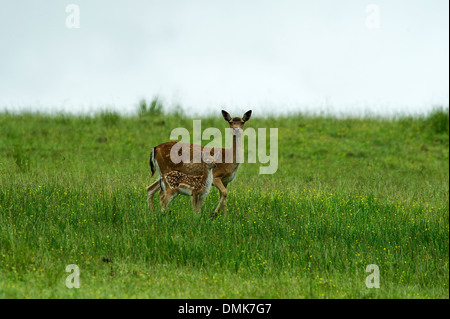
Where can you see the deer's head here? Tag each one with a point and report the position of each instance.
(236, 123)
(209, 160)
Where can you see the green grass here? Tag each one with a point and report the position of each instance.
(348, 193)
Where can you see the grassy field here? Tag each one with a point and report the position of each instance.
(348, 193)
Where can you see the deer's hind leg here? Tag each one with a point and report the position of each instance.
(151, 190)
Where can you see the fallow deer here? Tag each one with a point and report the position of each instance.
(175, 183)
(224, 174)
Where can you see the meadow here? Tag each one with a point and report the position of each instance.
(349, 192)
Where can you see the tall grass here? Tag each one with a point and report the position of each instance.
(347, 193)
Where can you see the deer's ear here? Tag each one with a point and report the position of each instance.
(247, 116)
(203, 156)
(217, 155)
(226, 116)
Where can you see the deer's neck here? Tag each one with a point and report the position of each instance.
(237, 143)
(207, 178)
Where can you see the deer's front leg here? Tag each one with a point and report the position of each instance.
(195, 203)
(199, 204)
(223, 196)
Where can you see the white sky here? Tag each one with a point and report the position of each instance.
(269, 56)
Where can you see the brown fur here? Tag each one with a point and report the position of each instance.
(196, 186)
(223, 174)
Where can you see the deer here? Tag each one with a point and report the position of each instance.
(176, 183)
(223, 174)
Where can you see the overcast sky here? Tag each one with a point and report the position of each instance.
(270, 56)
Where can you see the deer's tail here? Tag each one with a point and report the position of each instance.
(152, 161)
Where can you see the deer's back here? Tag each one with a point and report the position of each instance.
(166, 165)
